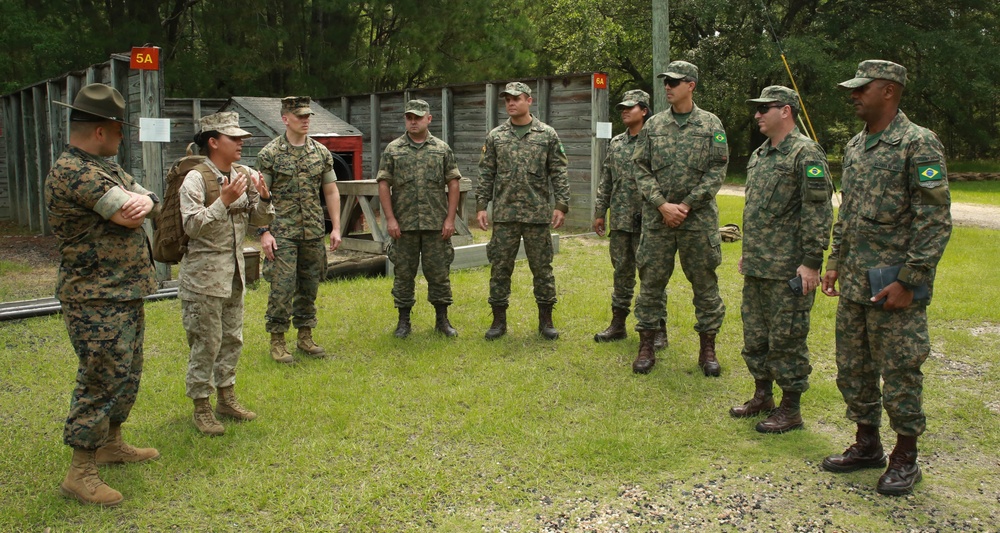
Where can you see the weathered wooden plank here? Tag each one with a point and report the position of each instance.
(447, 116)
(29, 192)
(375, 150)
(542, 99)
(43, 159)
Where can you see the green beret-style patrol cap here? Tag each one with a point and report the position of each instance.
(516, 88)
(777, 94)
(678, 70)
(633, 98)
(875, 69)
(296, 105)
(417, 107)
(226, 123)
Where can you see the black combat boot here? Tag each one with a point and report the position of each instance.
(499, 326)
(615, 331)
(403, 327)
(706, 356)
(441, 322)
(646, 358)
(545, 326)
(762, 401)
(866, 452)
(903, 472)
(660, 339)
(786, 418)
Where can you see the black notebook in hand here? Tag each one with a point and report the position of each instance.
(879, 278)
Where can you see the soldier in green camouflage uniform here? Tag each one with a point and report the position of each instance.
(297, 169)
(96, 210)
(618, 193)
(522, 158)
(415, 171)
(212, 274)
(896, 212)
(786, 220)
(680, 156)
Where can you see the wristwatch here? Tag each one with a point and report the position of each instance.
(261, 231)
(152, 196)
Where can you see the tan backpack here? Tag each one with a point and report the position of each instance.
(169, 239)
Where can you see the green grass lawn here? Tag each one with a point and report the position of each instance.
(521, 434)
(975, 192)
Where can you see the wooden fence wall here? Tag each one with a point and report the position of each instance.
(36, 131)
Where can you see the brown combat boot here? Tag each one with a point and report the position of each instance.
(762, 401)
(204, 420)
(706, 355)
(279, 352)
(545, 326)
(227, 405)
(866, 452)
(83, 482)
(903, 472)
(616, 330)
(499, 326)
(441, 322)
(786, 418)
(646, 358)
(306, 344)
(117, 451)
(660, 339)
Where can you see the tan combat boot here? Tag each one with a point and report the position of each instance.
(279, 352)
(307, 345)
(204, 420)
(228, 405)
(117, 451)
(83, 483)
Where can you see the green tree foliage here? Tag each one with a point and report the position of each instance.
(217, 48)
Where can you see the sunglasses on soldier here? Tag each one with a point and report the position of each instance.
(764, 108)
(671, 82)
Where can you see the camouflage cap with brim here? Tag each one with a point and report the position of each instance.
(417, 107)
(633, 98)
(679, 70)
(226, 123)
(516, 88)
(875, 69)
(296, 105)
(777, 94)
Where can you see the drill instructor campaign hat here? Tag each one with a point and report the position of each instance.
(98, 102)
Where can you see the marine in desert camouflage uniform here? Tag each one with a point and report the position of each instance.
(212, 274)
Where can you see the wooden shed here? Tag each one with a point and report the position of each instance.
(342, 139)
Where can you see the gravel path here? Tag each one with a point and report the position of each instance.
(977, 215)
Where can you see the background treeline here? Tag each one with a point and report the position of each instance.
(218, 48)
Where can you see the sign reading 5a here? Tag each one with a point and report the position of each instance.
(145, 58)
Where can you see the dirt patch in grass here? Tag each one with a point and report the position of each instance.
(28, 265)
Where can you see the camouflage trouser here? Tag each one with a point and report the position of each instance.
(502, 252)
(406, 254)
(775, 328)
(295, 273)
(873, 343)
(623, 246)
(107, 337)
(214, 329)
(701, 254)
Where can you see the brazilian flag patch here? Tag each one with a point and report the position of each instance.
(815, 171)
(930, 173)
(719, 137)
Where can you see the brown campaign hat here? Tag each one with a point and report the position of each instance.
(100, 102)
